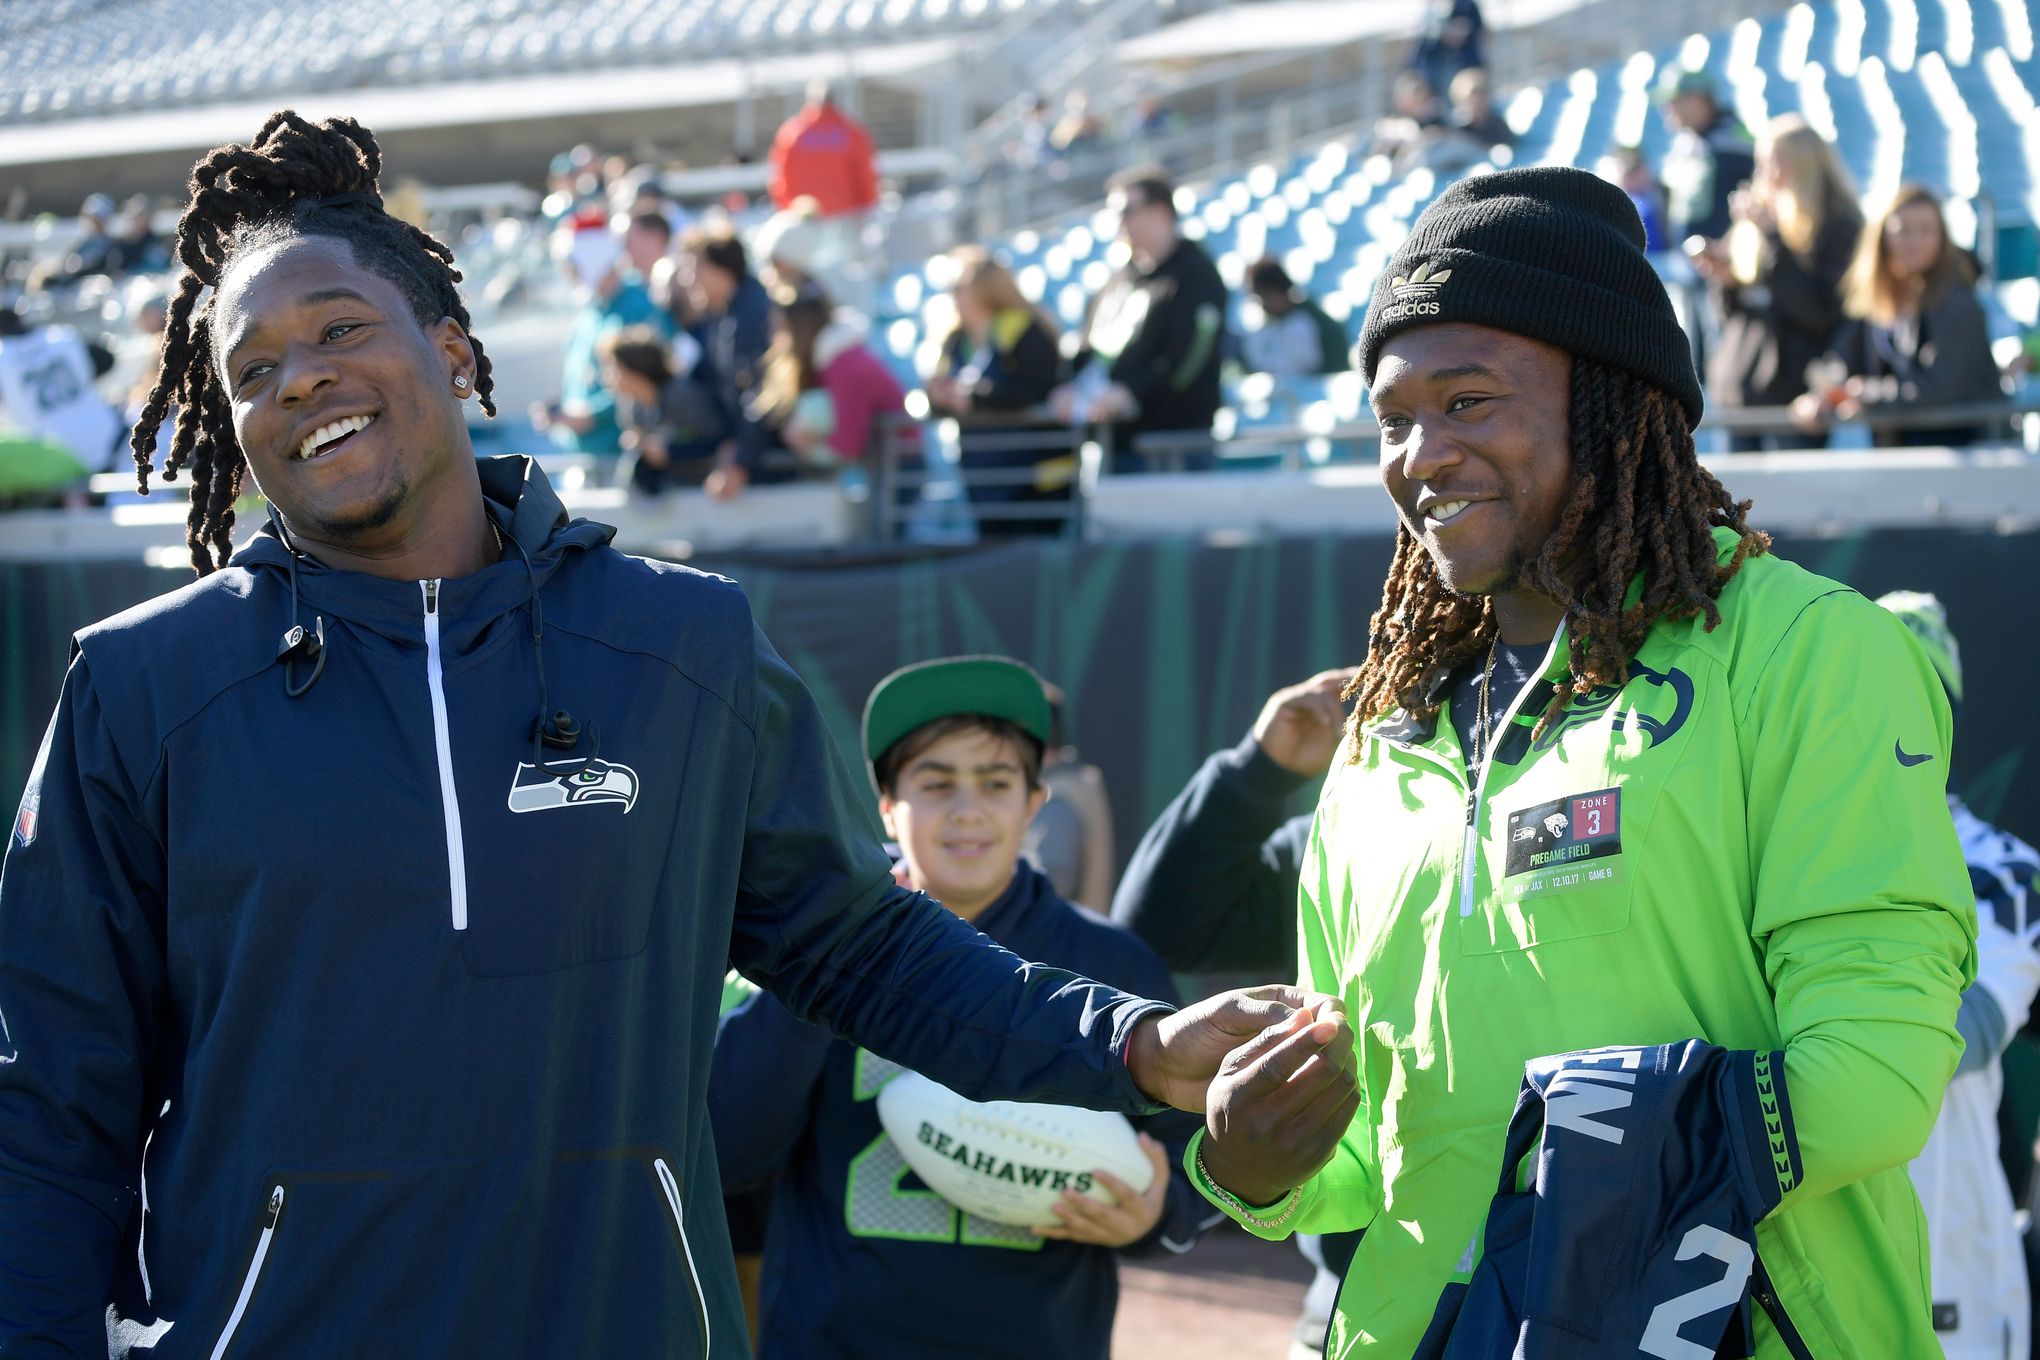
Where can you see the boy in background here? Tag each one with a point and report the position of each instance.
(860, 1260)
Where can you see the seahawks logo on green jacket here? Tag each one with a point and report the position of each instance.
(1591, 706)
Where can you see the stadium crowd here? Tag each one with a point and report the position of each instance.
(726, 344)
(719, 349)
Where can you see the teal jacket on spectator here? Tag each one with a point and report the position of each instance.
(581, 386)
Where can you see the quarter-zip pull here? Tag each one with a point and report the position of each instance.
(449, 798)
(1476, 781)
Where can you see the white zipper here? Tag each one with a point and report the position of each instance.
(254, 1273)
(456, 858)
(672, 1189)
(1468, 864)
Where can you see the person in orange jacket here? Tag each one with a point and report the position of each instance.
(824, 154)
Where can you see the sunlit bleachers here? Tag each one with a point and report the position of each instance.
(1941, 91)
(70, 58)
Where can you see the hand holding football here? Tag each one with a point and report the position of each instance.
(1004, 1160)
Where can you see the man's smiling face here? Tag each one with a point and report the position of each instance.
(1475, 448)
(343, 404)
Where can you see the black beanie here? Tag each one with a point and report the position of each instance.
(1552, 253)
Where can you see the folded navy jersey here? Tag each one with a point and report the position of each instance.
(1633, 1227)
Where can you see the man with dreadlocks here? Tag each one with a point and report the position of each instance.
(1614, 776)
(411, 1036)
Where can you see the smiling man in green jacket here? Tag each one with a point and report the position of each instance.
(1615, 775)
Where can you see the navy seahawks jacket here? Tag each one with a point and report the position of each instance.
(863, 1261)
(363, 1023)
(1637, 1233)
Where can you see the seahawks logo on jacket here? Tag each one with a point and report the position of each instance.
(1595, 703)
(572, 783)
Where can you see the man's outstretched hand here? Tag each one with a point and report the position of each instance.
(1174, 1057)
(1277, 1109)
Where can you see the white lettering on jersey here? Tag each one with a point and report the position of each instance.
(1575, 1095)
(46, 389)
(1661, 1334)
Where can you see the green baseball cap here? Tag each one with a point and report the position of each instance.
(1674, 81)
(1928, 621)
(913, 696)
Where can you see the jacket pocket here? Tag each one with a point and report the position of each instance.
(669, 1189)
(1557, 867)
(258, 1261)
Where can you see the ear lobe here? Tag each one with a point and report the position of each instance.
(459, 351)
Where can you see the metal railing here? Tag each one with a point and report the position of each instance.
(1297, 446)
(901, 474)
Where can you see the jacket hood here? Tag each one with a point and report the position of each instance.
(518, 500)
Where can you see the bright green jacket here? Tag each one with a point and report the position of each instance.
(1757, 852)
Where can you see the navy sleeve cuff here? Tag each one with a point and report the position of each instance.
(1134, 1101)
(1763, 1117)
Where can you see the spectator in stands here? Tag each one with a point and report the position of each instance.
(1029, 148)
(137, 249)
(799, 246)
(92, 253)
(1212, 886)
(824, 154)
(647, 236)
(1627, 168)
(1153, 119)
(731, 315)
(672, 423)
(1916, 334)
(998, 368)
(1295, 336)
(1710, 156)
(821, 401)
(583, 418)
(614, 171)
(641, 193)
(560, 175)
(1777, 278)
(1449, 43)
(59, 429)
(1147, 358)
(1416, 124)
(1473, 111)
(1078, 130)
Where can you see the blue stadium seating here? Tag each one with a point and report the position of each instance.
(1941, 91)
(66, 58)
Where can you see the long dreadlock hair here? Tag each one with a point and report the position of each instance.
(1640, 502)
(297, 179)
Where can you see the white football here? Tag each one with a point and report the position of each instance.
(1007, 1160)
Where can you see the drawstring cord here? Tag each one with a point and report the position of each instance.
(298, 645)
(558, 729)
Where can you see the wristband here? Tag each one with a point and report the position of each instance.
(1253, 1217)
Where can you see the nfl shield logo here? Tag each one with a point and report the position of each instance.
(25, 820)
